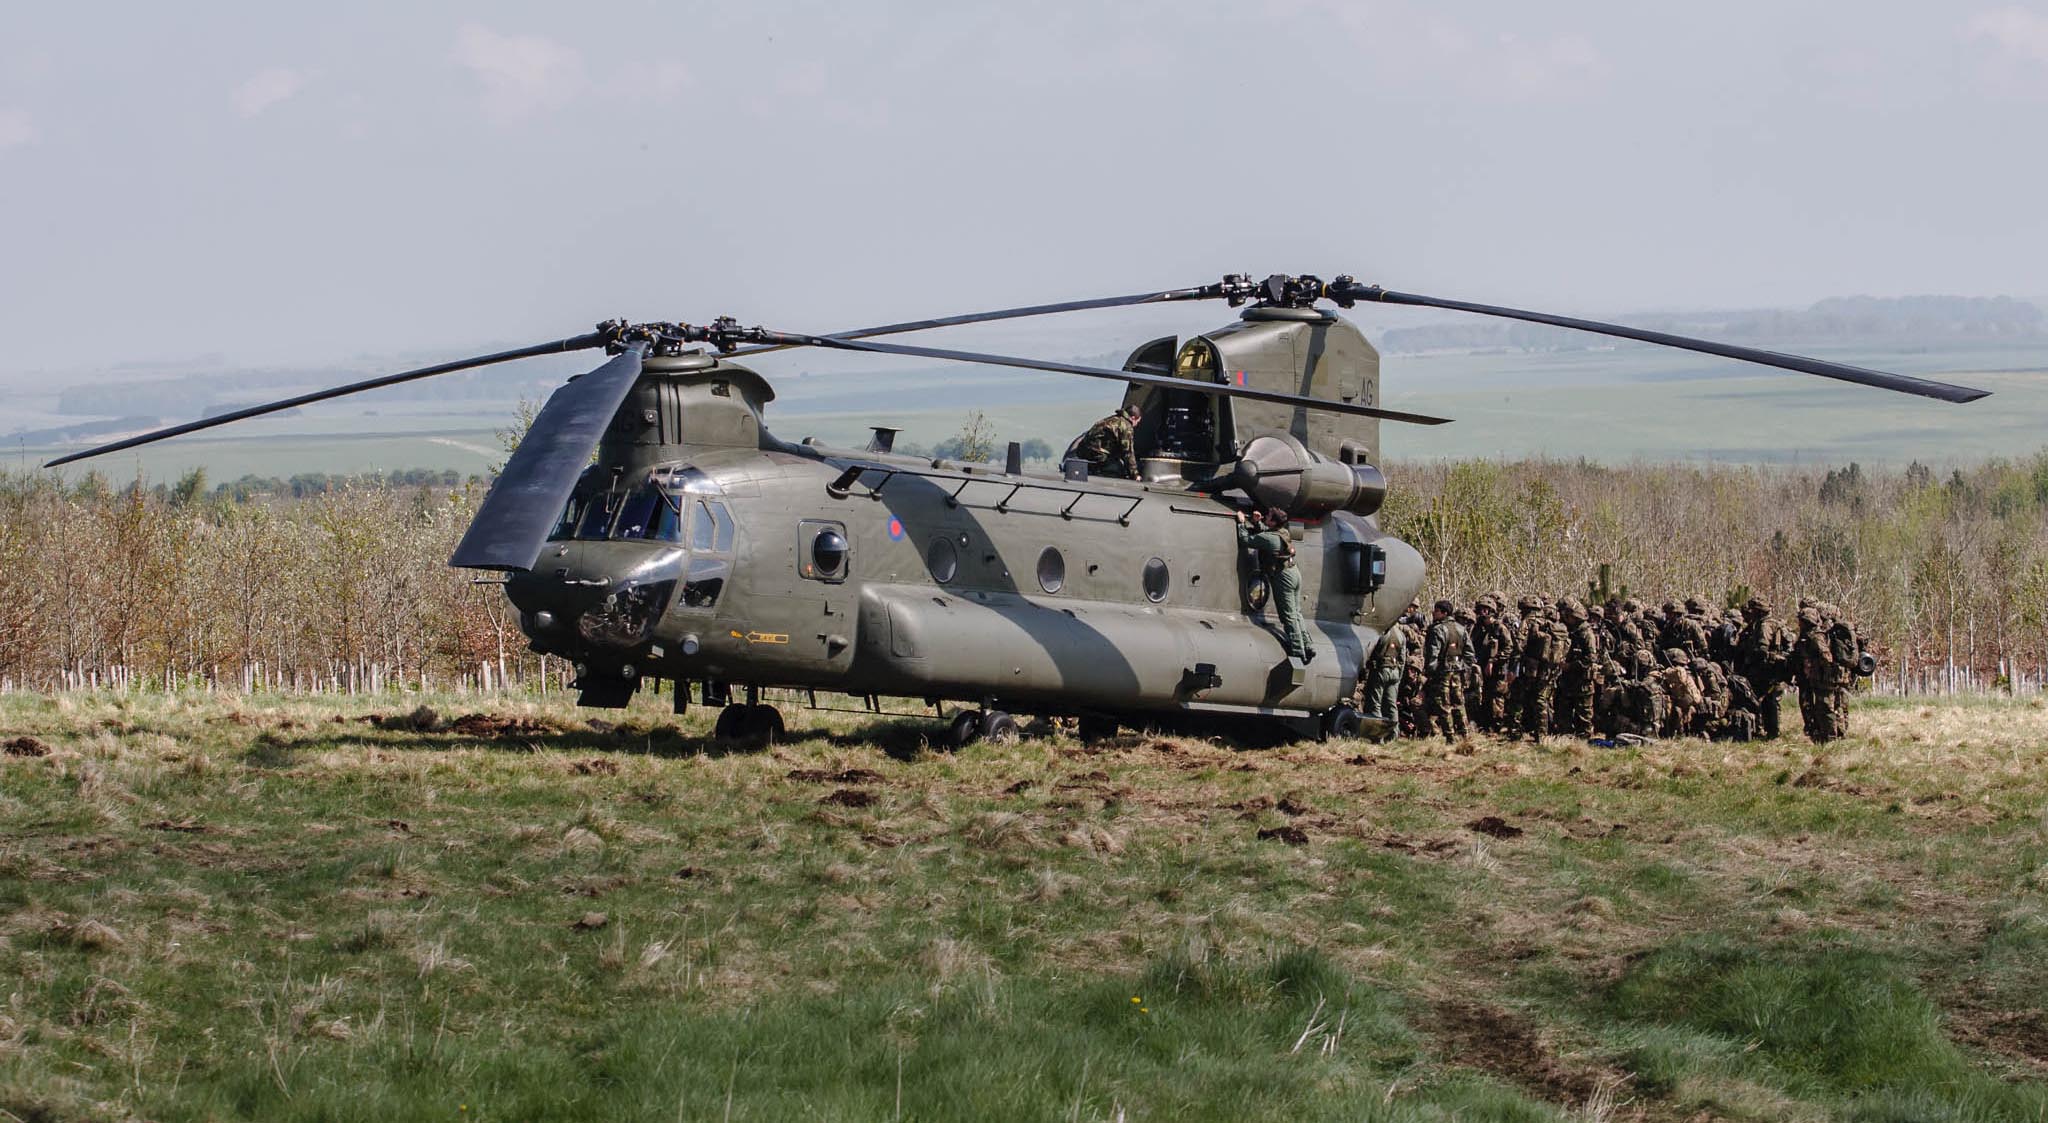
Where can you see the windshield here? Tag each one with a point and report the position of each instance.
(650, 513)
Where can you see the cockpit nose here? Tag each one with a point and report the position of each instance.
(597, 594)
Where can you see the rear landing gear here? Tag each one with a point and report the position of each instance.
(969, 726)
(758, 724)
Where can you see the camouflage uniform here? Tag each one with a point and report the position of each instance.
(1823, 695)
(1383, 670)
(1763, 656)
(1493, 653)
(1681, 692)
(1536, 676)
(1682, 632)
(1283, 582)
(1578, 683)
(1110, 446)
(1443, 665)
(1712, 711)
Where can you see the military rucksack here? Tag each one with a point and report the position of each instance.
(1842, 644)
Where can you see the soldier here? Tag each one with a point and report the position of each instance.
(1536, 672)
(1414, 681)
(1268, 538)
(1763, 656)
(1820, 696)
(1681, 692)
(1383, 671)
(1682, 632)
(1493, 653)
(1636, 638)
(1579, 680)
(1744, 719)
(1110, 446)
(1443, 664)
(1468, 668)
(1712, 712)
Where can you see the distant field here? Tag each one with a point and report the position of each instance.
(270, 908)
(1616, 406)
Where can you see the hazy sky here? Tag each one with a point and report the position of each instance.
(281, 181)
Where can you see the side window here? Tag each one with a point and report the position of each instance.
(725, 526)
(711, 542)
(823, 552)
(703, 531)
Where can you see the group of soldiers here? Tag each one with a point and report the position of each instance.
(1613, 670)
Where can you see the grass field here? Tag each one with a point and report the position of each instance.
(272, 908)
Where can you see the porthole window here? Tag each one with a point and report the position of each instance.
(1052, 570)
(1157, 580)
(943, 559)
(828, 553)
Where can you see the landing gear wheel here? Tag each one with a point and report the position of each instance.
(763, 725)
(730, 719)
(965, 729)
(1096, 728)
(999, 728)
(1341, 722)
(755, 724)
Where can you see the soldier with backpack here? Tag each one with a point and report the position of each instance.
(1443, 668)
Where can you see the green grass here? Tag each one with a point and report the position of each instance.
(268, 908)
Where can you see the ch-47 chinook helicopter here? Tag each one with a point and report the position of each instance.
(652, 528)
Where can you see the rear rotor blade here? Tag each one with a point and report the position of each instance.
(1232, 287)
(1905, 384)
(1160, 380)
(513, 521)
(573, 343)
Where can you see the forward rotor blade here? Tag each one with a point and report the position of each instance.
(513, 521)
(1163, 296)
(573, 343)
(1160, 380)
(1905, 384)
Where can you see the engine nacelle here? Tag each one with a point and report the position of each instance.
(1277, 470)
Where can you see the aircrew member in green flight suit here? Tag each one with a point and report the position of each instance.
(1267, 536)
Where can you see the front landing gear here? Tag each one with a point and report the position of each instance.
(753, 723)
(969, 726)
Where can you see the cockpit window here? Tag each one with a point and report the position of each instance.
(565, 527)
(597, 515)
(649, 513)
(711, 542)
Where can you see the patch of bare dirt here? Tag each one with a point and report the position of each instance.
(843, 776)
(1495, 1041)
(1291, 835)
(850, 797)
(595, 766)
(2021, 1035)
(25, 745)
(493, 725)
(1493, 826)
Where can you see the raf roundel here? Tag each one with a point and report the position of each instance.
(895, 529)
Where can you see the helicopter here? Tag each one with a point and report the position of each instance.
(649, 526)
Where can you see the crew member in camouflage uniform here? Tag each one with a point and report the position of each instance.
(1443, 665)
(1383, 671)
(1579, 680)
(1709, 716)
(1823, 694)
(1268, 538)
(1493, 653)
(1110, 446)
(1763, 655)
(1682, 632)
(1536, 672)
